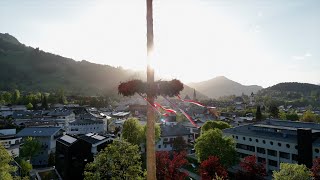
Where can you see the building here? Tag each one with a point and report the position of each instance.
(10, 142)
(84, 126)
(276, 141)
(47, 137)
(62, 116)
(74, 152)
(168, 135)
(6, 111)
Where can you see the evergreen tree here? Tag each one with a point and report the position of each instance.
(258, 113)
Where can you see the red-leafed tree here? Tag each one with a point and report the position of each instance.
(169, 164)
(251, 169)
(316, 169)
(211, 168)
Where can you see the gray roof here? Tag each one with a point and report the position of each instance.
(93, 138)
(273, 129)
(60, 112)
(174, 130)
(38, 131)
(66, 139)
(86, 121)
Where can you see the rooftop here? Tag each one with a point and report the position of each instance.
(174, 130)
(38, 131)
(93, 138)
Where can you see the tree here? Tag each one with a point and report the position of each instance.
(168, 165)
(282, 115)
(211, 168)
(274, 111)
(292, 171)
(292, 116)
(29, 106)
(258, 113)
(251, 169)
(44, 102)
(214, 124)
(26, 167)
(212, 143)
(316, 169)
(15, 96)
(5, 168)
(179, 144)
(308, 116)
(119, 160)
(132, 131)
(30, 148)
(7, 97)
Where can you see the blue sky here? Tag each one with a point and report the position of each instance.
(261, 42)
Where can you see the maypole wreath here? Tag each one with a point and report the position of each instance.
(160, 88)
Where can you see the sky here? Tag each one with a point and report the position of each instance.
(262, 42)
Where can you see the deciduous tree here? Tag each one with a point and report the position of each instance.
(292, 171)
(169, 164)
(211, 168)
(258, 113)
(179, 144)
(214, 124)
(251, 169)
(213, 143)
(5, 168)
(316, 169)
(30, 148)
(119, 160)
(308, 116)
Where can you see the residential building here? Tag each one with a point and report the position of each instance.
(168, 135)
(47, 137)
(276, 141)
(62, 116)
(10, 142)
(70, 160)
(84, 126)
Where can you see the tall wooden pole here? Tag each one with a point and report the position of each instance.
(151, 156)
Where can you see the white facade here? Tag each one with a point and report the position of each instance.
(86, 126)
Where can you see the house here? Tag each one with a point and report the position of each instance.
(10, 141)
(169, 133)
(84, 126)
(62, 116)
(6, 111)
(47, 137)
(70, 160)
(276, 141)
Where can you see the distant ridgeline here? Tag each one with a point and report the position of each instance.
(30, 69)
(292, 88)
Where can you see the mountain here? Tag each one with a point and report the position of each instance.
(222, 86)
(291, 88)
(31, 69)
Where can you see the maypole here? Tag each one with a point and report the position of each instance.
(151, 157)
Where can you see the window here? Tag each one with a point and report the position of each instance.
(271, 143)
(257, 140)
(261, 150)
(245, 147)
(316, 150)
(244, 138)
(236, 137)
(165, 146)
(273, 163)
(263, 141)
(288, 145)
(250, 139)
(294, 157)
(159, 146)
(261, 160)
(165, 139)
(296, 146)
(272, 152)
(279, 144)
(284, 155)
(242, 155)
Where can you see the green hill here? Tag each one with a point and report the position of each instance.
(30, 69)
